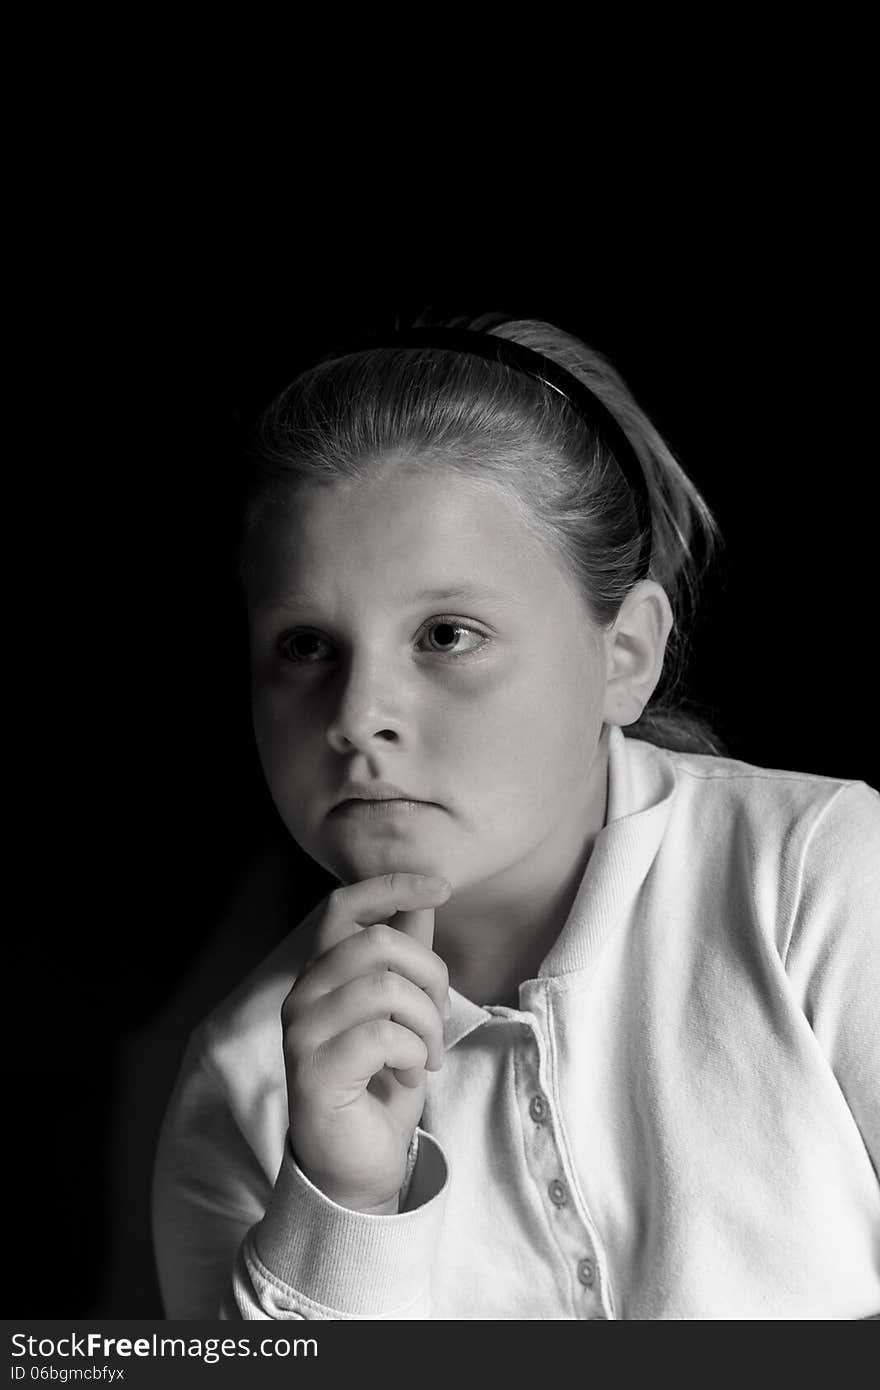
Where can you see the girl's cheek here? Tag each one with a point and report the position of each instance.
(273, 706)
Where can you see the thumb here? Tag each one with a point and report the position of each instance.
(419, 924)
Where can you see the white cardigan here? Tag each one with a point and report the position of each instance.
(680, 1120)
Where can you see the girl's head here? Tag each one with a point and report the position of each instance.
(441, 572)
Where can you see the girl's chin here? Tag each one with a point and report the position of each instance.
(356, 867)
(368, 853)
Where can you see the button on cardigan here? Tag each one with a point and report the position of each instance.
(681, 1119)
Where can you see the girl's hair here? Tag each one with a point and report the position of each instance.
(433, 408)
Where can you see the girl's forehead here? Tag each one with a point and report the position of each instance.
(408, 537)
(412, 517)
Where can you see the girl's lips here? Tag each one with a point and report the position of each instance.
(374, 791)
(381, 810)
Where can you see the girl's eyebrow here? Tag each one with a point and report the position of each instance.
(470, 593)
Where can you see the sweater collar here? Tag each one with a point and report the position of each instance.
(641, 784)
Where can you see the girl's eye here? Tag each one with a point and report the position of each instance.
(300, 647)
(304, 648)
(447, 628)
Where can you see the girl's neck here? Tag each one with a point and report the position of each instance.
(499, 936)
(499, 953)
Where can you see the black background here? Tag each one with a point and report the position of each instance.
(143, 812)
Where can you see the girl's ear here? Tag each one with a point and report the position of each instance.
(634, 649)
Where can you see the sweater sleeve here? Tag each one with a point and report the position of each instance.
(833, 955)
(231, 1244)
(309, 1258)
(208, 1191)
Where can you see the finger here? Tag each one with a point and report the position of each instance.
(410, 1076)
(351, 1058)
(377, 947)
(418, 924)
(356, 905)
(383, 994)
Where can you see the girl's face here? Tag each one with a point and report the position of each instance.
(411, 629)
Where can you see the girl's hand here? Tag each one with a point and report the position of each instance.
(361, 1024)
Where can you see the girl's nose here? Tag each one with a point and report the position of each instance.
(365, 715)
(344, 737)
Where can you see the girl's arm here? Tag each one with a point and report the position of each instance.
(833, 953)
(208, 1191)
(311, 1259)
(230, 1244)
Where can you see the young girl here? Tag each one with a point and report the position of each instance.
(589, 1027)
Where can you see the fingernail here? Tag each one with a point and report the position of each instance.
(433, 885)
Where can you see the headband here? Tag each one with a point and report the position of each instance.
(508, 353)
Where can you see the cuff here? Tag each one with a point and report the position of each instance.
(356, 1264)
